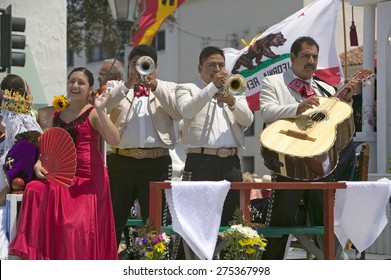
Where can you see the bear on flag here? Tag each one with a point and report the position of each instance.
(269, 52)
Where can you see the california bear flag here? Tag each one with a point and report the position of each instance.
(268, 54)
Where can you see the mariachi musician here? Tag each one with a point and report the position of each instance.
(287, 96)
(144, 109)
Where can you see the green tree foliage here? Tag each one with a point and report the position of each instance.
(90, 23)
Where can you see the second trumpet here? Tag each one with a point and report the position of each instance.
(235, 85)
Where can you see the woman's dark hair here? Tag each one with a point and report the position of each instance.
(13, 82)
(87, 72)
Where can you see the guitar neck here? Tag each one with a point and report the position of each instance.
(361, 76)
(341, 92)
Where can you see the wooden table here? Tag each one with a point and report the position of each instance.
(155, 203)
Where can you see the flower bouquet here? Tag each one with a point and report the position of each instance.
(148, 244)
(243, 243)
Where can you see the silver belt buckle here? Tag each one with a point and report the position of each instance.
(223, 152)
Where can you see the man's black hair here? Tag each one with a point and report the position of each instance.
(208, 51)
(143, 50)
(297, 44)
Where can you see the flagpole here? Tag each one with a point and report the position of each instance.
(344, 40)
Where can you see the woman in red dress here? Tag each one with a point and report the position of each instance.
(75, 222)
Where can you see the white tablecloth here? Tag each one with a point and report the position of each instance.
(196, 209)
(360, 212)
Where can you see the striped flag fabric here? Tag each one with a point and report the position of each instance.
(269, 53)
(155, 13)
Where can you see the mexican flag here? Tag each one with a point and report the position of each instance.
(269, 52)
(155, 13)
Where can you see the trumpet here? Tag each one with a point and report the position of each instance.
(235, 85)
(145, 66)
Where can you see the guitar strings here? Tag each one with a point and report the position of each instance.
(314, 118)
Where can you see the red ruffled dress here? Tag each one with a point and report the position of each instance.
(69, 223)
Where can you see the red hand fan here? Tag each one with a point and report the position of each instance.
(58, 155)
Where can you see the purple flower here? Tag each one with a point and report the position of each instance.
(149, 249)
(155, 241)
(145, 240)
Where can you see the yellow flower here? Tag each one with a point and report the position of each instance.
(257, 240)
(245, 241)
(160, 247)
(250, 250)
(150, 255)
(60, 102)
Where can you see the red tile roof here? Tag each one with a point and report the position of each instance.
(354, 56)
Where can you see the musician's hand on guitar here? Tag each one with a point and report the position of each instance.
(352, 89)
(308, 103)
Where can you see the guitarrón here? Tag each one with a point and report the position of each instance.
(308, 147)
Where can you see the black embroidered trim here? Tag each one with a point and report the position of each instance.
(71, 127)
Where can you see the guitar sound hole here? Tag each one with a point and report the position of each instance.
(318, 116)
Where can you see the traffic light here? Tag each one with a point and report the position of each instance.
(11, 40)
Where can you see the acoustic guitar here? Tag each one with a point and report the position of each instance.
(308, 147)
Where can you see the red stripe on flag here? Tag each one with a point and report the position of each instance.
(253, 101)
(146, 20)
(155, 14)
(330, 75)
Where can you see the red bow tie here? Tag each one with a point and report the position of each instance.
(302, 87)
(140, 90)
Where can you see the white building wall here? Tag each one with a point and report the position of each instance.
(168, 59)
(45, 69)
